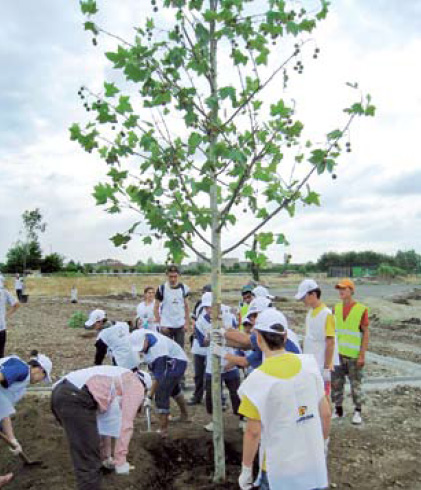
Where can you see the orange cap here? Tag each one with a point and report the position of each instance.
(345, 283)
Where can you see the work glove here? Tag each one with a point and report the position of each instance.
(147, 402)
(17, 449)
(218, 336)
(326, 375)
(218, 350)
(245, 480)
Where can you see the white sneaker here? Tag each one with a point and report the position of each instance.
(124, 469)
(108, 463)
(356, 419)
(209, 427)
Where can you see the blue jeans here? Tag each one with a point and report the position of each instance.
(264, 482)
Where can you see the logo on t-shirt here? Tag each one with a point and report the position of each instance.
(303, 414)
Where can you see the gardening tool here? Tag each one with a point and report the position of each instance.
(148, 418)
(22, 455)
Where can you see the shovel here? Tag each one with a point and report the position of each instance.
(22, 455)
(148, 418)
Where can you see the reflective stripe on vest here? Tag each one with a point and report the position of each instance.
(348, 331)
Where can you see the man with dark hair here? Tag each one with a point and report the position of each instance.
(287, 413)
(247, 296)
(171, 306)
(352, 328)
(319, 338)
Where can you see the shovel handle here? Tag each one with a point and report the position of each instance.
(22, 455)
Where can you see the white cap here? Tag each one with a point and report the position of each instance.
(207, 299)
(305, 287)
(258, 305)
(261, 291)
(46, 364)
(270, 317)
(95, 316)
(146, 378)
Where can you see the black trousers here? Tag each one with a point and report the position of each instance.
(199, 377)
(19, 294)
(232, 384)
(76, 411)
(176, 334)
(2, 342)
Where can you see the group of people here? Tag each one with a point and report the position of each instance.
(279, 390)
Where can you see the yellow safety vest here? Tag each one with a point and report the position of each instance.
(348, 331)
(243, 313)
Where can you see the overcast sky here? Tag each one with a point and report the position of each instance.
(373, 204)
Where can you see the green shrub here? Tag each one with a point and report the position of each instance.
(390, 271)
(77, 320)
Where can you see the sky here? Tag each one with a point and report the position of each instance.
(374, 204)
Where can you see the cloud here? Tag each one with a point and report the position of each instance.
(48, 57)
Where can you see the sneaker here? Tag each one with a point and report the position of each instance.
(357, 419)
(124, 469)
(108, 463)
(192, 402)
(335, 415)
(209, 427)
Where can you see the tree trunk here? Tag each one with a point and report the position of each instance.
(255, 270)
(218, 423)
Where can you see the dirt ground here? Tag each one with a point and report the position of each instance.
(382, 454)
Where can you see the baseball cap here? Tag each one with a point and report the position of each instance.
(305, 287)
(272, 321)
(248, 288)
(345, 283)
(258, 304)
(46, 364)
(95, 316)
(145, 378)
(261, 291)
(207, 299)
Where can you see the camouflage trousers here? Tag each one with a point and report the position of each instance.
(347, 367)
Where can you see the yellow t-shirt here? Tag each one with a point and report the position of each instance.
(330, 320)
(284, 366)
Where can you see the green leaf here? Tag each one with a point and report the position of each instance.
(75, 132)
(194, 141)
(312, 198)
(90, 26)
(279, 109)
(281, 240)
(110, 89)
(102, 193)
(265, 239)
(370, 110)
(124, 105)
(88, 7)
(119, 239)
(230, 92)
(147, 240)
(334, 135)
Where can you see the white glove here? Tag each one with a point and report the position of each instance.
(147, 402)
(17, 449)
(326, 446)
(218, 350)
(218, 336)
(326, 375)
(245, 480)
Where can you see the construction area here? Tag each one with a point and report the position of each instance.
(364, 457)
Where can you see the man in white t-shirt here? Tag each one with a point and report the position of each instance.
(5, 299)
(172, 308)
(19, 287)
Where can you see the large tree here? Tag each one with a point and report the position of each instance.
(200, 137)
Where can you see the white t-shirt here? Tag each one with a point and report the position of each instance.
(117, 339)
(18, 284)
(145, 312)
(5, 299)
(173, 312)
